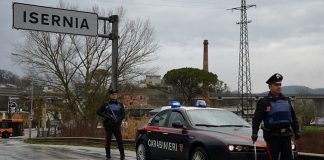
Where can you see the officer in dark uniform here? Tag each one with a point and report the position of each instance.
(279, 120)
(113, 112)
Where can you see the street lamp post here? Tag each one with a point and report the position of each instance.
(31, 108)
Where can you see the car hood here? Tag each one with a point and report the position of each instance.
(233, 135)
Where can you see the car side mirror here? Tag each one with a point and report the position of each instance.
(177, 124)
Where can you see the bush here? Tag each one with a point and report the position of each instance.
(131, 125)
(311, 142)
(129, 129)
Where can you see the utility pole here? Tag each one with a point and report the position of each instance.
(244, 77)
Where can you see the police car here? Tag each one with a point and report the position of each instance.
(196, 133)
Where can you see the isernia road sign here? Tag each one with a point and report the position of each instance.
(40, 18)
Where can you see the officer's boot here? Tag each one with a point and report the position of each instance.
(122, 154)
(121, 150)
(108, 157)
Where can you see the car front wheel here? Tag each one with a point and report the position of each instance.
(199, 154)
(142, 152)
(5, 135)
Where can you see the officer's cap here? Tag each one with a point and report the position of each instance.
(276, 78)
(113, 91)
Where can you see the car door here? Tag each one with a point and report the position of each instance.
(156, 136)
(177, 138)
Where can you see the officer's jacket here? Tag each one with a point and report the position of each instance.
(111, 119)
(276, 114)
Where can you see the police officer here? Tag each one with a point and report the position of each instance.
(113, 112)
(279, 120)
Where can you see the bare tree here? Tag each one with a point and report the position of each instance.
(8, 77)
(305, 110)
(80, 67)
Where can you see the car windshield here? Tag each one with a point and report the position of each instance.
(216, 118)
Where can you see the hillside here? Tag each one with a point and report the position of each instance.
(300, 90)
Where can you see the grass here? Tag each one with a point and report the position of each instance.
(312, 129)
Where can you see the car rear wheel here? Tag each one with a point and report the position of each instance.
(199, 154)
(142, 152)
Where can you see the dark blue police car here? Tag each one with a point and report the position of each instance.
(194, 133)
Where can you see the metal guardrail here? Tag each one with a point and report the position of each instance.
(90, 140)
(310, 156)
(131, 142)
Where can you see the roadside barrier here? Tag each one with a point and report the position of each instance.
(310, 156)
(84, 140)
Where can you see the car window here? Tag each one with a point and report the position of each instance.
(176, 116)
(5, 125)
(160, 119)
(215, 117)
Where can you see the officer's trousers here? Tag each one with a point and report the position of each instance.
(280, 147)
(116, 130)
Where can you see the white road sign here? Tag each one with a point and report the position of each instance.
(40, 18)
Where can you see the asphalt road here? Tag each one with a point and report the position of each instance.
(14, 148)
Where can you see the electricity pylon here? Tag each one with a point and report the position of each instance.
(244, 78)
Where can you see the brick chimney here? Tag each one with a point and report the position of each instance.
(205, 62)
(205, 67)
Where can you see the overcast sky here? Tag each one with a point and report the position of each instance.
(285, 36)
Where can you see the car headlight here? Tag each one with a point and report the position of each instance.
(231, 147)
(293, 147)
(238, 148)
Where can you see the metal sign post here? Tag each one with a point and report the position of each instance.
(114, 37)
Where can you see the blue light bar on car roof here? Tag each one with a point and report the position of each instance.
(175, 104)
